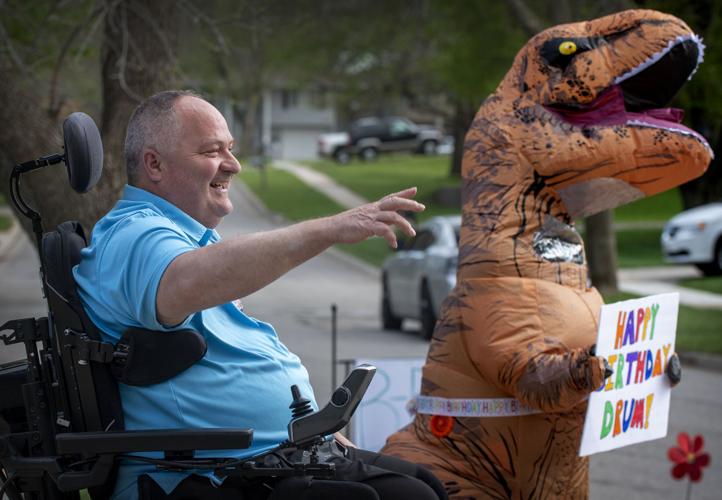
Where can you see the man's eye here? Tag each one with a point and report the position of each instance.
(212, 152)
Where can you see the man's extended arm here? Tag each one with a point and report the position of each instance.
(237, 267)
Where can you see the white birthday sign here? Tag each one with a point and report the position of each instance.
(637, 338)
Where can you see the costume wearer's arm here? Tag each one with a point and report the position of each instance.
(558, 382)
(237, 267)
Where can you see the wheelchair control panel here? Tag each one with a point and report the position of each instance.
(337, 413)
(307, 452)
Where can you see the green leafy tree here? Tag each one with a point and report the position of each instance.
(476, 44)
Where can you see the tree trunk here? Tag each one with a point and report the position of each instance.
(137, 60)
(463, 116)
(601, 247)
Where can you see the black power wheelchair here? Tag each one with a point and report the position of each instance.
(61, 418)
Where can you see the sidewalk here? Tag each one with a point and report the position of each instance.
(653, 280)
(321, 182)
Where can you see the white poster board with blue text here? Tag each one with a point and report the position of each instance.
(637, 338)
(383, 409)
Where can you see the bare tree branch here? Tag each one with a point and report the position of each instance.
(142, 12)
(102, 12)
(212, 24)
(529, 21)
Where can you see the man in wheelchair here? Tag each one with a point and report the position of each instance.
(156, 273)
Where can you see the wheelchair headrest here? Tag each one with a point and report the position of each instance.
(83, 151)
(60, 253)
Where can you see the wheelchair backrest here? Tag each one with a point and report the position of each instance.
(93, 399)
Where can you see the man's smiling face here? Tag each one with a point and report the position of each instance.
(197, 162)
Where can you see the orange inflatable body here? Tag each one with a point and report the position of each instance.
(572, 130)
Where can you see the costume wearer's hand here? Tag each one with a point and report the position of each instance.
(608, 372)
(674, 369)
(377, 218)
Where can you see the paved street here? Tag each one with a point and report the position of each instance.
(299, 306)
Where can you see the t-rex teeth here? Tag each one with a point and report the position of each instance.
(657, 56)
(700, 138)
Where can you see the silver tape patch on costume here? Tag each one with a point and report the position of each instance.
(558, 242)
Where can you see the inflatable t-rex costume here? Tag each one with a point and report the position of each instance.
(570, 131)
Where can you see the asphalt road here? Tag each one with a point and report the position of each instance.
(299, 307)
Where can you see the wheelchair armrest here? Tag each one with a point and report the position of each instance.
(153, 440)
(138, 351)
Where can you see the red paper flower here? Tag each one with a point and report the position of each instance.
(441, 425)
(688, 457)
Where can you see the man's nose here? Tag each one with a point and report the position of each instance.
(231, 164)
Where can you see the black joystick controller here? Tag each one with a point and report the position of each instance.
(307, 426)
(300, 406)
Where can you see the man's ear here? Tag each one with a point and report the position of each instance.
(153, 164)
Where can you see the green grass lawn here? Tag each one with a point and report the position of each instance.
(285, 194)
(393, 173)
(660, 207)
(639, 248)
(707, 284)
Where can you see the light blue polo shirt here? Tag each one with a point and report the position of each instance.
(245, 377)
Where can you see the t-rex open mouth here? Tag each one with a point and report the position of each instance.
(638, 97)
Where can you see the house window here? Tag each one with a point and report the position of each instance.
(289, 99)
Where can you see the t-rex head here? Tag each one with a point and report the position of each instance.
(574, 128)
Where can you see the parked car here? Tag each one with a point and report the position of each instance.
(368, 137)
(419, 276)
(695, 237)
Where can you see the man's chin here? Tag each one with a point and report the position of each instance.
(220, 212)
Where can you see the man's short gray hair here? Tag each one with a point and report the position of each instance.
(151, 125)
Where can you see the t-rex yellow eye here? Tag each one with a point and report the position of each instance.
(567, 48)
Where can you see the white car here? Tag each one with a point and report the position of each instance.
(417, 278)
(695, 237)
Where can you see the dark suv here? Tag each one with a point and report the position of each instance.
(367, 137)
